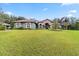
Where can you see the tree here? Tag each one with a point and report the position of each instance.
(9, 19)
(73, 22)
(21, 18)
(56, 24)
(66, 23)
(3, 16)
(77, 24)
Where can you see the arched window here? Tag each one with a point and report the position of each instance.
(40, 25)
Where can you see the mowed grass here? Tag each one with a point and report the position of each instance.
(39, 43)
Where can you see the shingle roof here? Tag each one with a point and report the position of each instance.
(25, 21)
(31, 21)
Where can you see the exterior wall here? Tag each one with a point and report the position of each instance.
(40, 25)
(17, 25)
(47, 22)
(43, 24)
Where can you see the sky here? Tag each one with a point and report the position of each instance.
(41, 11)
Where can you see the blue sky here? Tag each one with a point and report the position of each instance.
(41, 11)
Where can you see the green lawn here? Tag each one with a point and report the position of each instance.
(39, 42)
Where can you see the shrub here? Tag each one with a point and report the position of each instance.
(2, 27)
(22, 28)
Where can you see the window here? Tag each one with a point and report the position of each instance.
(28, 25)
(22, 24)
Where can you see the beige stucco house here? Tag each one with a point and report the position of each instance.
(33, 24)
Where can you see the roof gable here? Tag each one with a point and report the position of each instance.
(45, 20)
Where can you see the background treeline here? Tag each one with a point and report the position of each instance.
(8, 19)
(67, 23)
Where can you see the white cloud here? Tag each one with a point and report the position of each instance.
(9, 13)
(6, 3)
(45, 9)
(65, 4)
(73, 11)
(70, 15)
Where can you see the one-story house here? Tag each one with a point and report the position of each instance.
(33, 24)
